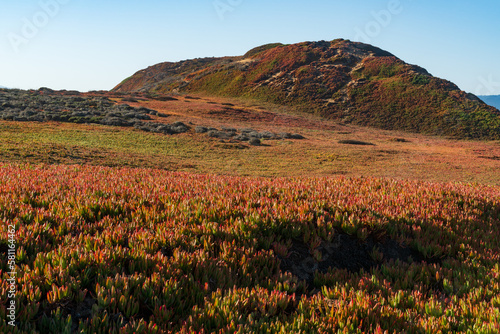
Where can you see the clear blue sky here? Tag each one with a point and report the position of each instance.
(92, 45)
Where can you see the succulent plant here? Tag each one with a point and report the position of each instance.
(106, 250)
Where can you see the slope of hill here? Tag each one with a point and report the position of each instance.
(343, 80)
(492, 100)
(219, 139)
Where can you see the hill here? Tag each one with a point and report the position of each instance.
(141, 212)
(350, 82)
(492, 100)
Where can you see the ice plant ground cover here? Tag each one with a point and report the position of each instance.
(120, 250)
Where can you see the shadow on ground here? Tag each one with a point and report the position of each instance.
(346, 252)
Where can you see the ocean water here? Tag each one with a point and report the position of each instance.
(492, 100)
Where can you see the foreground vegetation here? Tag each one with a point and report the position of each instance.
(103, 250)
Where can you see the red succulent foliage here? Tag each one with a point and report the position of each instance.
(141, 250)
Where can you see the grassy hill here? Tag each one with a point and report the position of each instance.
(351, 82)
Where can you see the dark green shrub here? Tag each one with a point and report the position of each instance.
(355, 142)
(420, 79)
